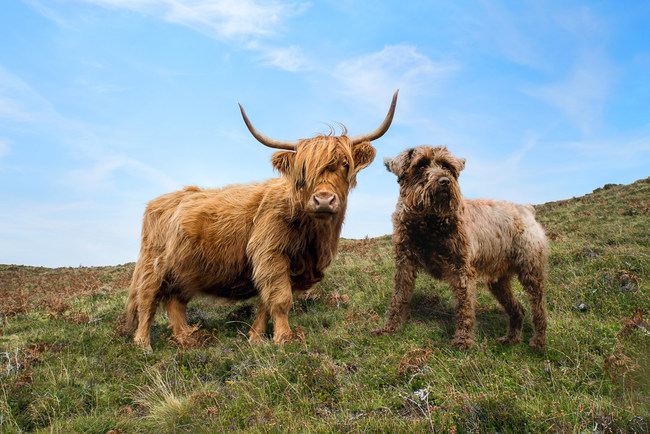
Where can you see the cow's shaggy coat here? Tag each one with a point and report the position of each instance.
(264, 239)
(457, 239)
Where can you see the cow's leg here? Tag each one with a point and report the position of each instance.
(404, 279)
(257, 331)
(502, 291)
(143, 300)
(147, 306)
(463, 287)
(177, 314)
(280, 303)
(271, 276)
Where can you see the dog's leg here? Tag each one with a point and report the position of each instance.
(402, 292)
(464, 290)
(533, 283)
(502, 291)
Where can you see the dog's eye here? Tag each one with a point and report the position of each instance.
(423, 168)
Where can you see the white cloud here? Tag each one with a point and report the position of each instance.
(396, 66)
(216, 18)
(289, 59)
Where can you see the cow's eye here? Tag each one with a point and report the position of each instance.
(345, 164)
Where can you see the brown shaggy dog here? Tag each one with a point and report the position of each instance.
(457, 239)
(264, 239)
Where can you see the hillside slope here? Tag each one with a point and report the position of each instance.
(68, 365)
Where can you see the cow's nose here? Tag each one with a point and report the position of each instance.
(324, 201)
(444, 181)
(324, 204)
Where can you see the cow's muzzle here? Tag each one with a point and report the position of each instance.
(324, 204)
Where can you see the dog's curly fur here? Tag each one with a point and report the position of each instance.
(457, 239)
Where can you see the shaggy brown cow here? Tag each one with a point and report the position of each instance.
(455, 239)
(263, 239)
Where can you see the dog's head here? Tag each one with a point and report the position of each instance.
(428, 178)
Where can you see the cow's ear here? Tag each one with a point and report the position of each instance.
(363, 154)
(282, 161)
(399, 163)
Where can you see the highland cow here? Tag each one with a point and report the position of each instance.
(457, 239)
(265, 239)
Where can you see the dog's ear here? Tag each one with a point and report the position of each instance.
(399, 163)
(461, 164)
(388, 162)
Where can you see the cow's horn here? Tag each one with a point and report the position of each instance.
(271, 143)
(374, 135)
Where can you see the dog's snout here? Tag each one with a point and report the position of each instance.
(443, 181)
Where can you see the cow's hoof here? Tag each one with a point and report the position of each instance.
(290, 336)
(144, 345)
(255, 339)
(385, 330)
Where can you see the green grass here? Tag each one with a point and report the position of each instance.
(66, 364)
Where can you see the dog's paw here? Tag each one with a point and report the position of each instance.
(462, 343)
(509, 340)
(537, 342)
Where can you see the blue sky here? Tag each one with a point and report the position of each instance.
(106, 104)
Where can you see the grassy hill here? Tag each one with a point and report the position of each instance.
(66, 364)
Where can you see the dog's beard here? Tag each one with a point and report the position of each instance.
(433, 199)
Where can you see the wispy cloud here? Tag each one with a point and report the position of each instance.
(614, 150)
(4, 147)
(583, 94)
(530, 141)
(507, 30)
(403, 66)
(88, 144)
(17, 98)
(290, 59)
(217, 18)
(103, 171)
